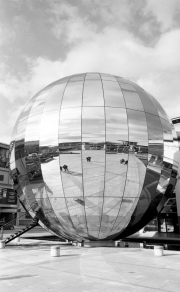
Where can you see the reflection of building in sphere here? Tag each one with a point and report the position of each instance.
(128, 138)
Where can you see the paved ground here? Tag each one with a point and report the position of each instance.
(28, 267)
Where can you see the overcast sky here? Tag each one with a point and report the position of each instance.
(45, 40)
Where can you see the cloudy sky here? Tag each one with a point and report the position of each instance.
(45, 40)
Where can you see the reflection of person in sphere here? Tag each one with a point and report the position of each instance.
(61, 168)
(122, 161)
(88, 159)
(126, 162)
(65, 167)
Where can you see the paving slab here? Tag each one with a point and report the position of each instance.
(28, 266)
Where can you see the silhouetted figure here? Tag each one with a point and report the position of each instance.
(126, 162)
(88, 159)
(65, 167)
(122, 161)
(61, 168)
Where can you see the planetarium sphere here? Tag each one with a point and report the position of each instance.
(95, 154)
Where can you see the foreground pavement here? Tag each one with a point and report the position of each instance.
(27, 266)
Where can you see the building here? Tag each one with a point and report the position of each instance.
(168, 220)
(8, 200)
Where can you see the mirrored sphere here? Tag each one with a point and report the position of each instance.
(95, 153)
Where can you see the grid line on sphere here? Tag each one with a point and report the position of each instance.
(82, 161)
(127, 166)
(60, 159)
(105, 159)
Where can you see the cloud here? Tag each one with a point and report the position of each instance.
(164, 12)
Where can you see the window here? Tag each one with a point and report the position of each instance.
(1, 177)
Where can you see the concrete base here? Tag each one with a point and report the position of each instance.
(104, 243)
(158, 250)
(17, 239)
(2, 244)
(55, 251)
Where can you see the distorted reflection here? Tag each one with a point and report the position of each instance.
(138, 131)
(77, 77)
(112, 94)
(132, 100)
(19, 143)
(93, 93)
(108, 77)
(109, 215)
(116, 125)
(70, 125)
(72, 95)
(93, 137)
(161, 111)
(71, 172)
(49, 128)
(26, 110)
(76, 207)
(54, 97)
(92, 76)
(169, 146)
(116, 151)
(93, 125)
(39, 102)
(49, 154)
(59, 206)
(148, 105)
(155, 156)
(93, 207)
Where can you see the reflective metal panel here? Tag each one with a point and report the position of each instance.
(132, 100)
(109, 215)
(77, 77)
(93, 126)
(70, 127)
(32, 131)
(137, 127)
(108, 77)
(93, 93)
(127, 87)
(19, 140)
(49, 153)
(161, 111)
(59, 206)
(73, 95)
(72, 175)
(93, 208)
(155, 150)
(112, 94)
(54, 98)
(39, 102)
(26, 110)
(76, 207)
(148, 105)
(92, 76)
(116, 155)
(93, 150)
(135, 176)
(169, 147)
(116, 127)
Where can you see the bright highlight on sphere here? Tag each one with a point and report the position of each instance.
(96, 153)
